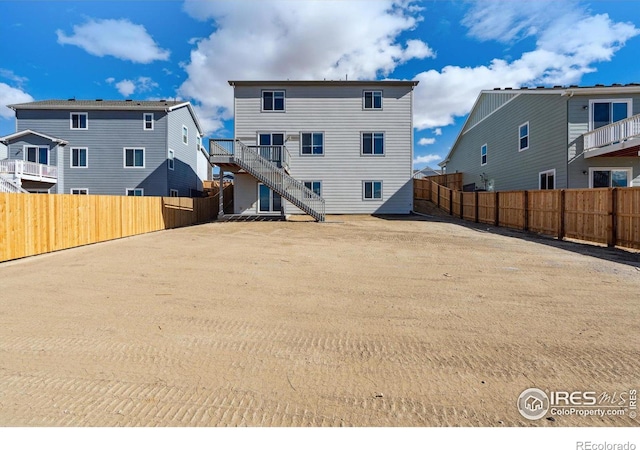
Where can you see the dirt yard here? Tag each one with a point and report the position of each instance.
(356, 322)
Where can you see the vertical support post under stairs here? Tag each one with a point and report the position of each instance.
(220, 194)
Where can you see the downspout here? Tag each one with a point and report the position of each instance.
(166, 150)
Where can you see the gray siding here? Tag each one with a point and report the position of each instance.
(509, 168)
(15, 150)
(487, 104)
(337, 111)
(184, 177)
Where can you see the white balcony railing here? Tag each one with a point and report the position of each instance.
(29, 170)
(612, 134)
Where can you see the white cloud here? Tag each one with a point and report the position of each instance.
(129, 87)
(426, 159)
(427, 141)
(568, 43)
(437, 131)
(295, 40)
(10, 96)
(118, 38)
(10, 75)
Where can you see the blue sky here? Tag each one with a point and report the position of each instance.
(189, 49)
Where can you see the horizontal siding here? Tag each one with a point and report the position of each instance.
(337, 112)
(488, 103)
(508, 167)
(108, 133)
(184, 177)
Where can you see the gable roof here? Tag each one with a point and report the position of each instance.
(112, 105)
(490, 101)
(19, 134)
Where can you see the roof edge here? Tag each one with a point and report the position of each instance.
(323, 82)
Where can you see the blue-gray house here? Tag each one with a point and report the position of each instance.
(127, 147)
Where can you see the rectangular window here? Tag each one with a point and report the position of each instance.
(547, 179)
(79, 157)
(606, 112)
(134, 157)
(173, 193)
(185, 135)
(273, 100)
(372, 190)
(171, 159)
(147, 121)
(373, 143)
(38, 155)
(603, 177)
(483, 155)
(315, 186)
(137, 192)
(372, 99)
(199, 141)
(80, 191)
(523, 135)
(312, 144)
(79, 121)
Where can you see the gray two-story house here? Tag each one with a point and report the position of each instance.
(346, 144)
(129, 147)
(550, 138)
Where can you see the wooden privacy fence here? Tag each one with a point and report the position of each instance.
(31, 224)
(607, 216)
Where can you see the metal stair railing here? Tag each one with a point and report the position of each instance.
(272, 176)
(9, 186)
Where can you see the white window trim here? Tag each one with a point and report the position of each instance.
(185, 135)
(124, 157)
(79, 189)
(384, 143)
(364, 92)
(144, 121)
(199, 141)
(373, 199)
(627, 169)
(126, 191)
(312, 133)
(527, 135)
(486, 147)
(270, 212)
(547, 172)
(284, 101)
(313, 181)
(71, 114)
(628, 101)
(24, 152)
(171, 191)
(71, 157)
(171, 159)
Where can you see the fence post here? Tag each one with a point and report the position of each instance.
(561, 207)
(430, 187)
(438, 192)
(461, 205)
(451, 202)
(611, 217)
(525, 221)
(476, 206)
(497, 209)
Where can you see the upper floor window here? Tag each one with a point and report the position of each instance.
(372, 99)
(38, 155)
(79, 157)
(147, 119)
(134, 157)
(185, 135)
(171, 159)
(483, 155)
(606, 112)
(79, 121)
(312, 144)
(199, 141)
(523, 136)
(273, 100)
(373, 143)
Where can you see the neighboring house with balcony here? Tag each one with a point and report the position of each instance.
(128, 147)
(316, 147)
(550, 138)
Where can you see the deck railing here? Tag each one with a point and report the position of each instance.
(267, 172)
(10, 187)
(19, 168)
(277, 154)
(614, 133)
